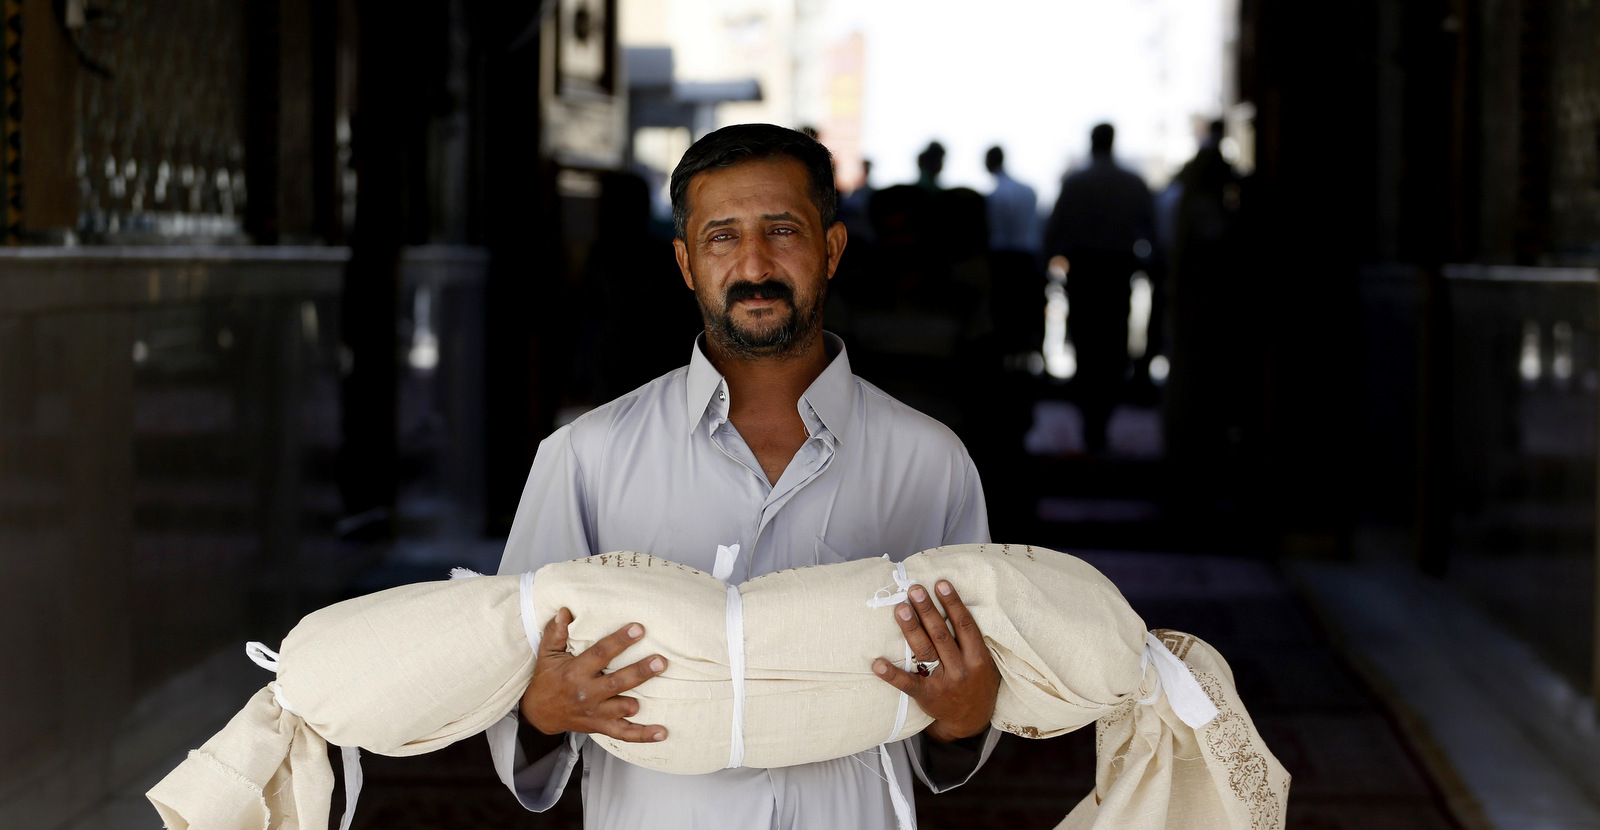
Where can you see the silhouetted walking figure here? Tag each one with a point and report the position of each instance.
(1103, 213)
(930, 163)
(1211, 348)
(1013, 208)
(853, 208)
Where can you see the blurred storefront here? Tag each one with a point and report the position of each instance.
(1431, 272)
(261, 260)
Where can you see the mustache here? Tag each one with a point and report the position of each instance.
(765, 290)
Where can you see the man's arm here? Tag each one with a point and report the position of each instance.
(949, 764)
(567, 692)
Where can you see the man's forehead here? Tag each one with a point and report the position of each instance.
(777, 184)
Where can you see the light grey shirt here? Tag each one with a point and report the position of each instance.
(661, 470)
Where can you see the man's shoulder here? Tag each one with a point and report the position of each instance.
(893, 419)
(654, 404)
(1015, 186)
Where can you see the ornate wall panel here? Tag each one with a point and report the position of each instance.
(161, 115)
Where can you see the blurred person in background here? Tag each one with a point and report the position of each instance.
(1013, 207)
(1103, 224)
(930, 163)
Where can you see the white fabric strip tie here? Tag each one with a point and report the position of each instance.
(903, 816)
(529, 629)
(1188, 700)
(897, 796)
(736, 673)
(525, 603)
(883, 598)
(262, 656)
(722, 570)
(267, 659)
(507, 726)
(726, 556)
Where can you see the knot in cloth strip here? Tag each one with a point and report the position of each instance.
(262, 656)
(267, 659)
(883, 597)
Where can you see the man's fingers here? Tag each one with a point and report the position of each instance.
(916, 637)
(632, 732)
(944, 645)
(896, 676)
(967, 633)
(554, 638)
(606, 649)
(627, 678)
(614, 708)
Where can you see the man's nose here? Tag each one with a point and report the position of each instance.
(755, 263)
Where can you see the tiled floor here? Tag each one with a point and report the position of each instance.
(1521, 744)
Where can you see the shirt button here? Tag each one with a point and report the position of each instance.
(722, 396)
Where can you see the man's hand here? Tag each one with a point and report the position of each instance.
(959, 694)
(571, 694)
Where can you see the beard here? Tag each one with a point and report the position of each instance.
(787, 337)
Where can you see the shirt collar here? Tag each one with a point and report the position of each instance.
(825, 406)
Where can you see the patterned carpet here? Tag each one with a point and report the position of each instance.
(1354, 768)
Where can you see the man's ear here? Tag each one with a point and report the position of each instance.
(837, 236)
(680, 249)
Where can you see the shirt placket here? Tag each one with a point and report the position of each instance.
(813, 456)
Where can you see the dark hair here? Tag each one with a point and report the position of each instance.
(1100, 139)
(994, 159)
(743, 142)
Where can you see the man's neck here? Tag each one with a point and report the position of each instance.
(765, 401)
(762, 387)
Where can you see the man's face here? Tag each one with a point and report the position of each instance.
(757, 257)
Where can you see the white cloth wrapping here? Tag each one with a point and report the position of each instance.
(415, 668)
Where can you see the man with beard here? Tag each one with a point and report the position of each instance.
(765, 439)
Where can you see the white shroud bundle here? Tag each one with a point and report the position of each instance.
(414, 668)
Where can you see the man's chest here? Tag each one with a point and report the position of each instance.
(825, 508)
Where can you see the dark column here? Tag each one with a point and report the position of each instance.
(520, 228)
(1310, 211)
(400, 73)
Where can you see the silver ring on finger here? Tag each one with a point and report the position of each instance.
(925, 668)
